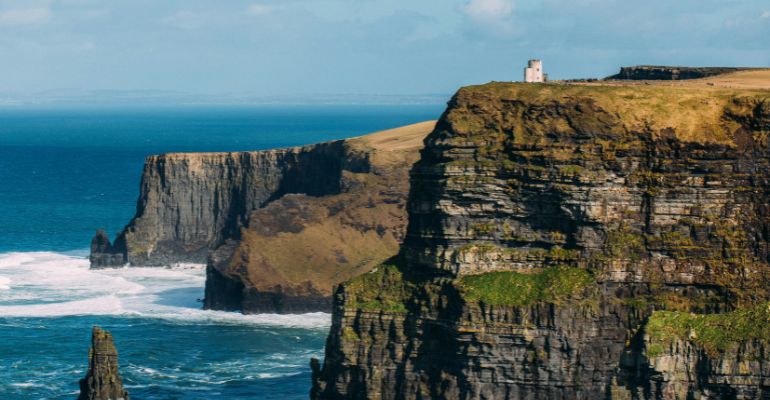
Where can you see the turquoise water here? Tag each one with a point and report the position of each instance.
(65, 173)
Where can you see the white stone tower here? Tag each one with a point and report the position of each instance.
(534, 71)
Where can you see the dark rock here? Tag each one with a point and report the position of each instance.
(102, 381)
(104, 254)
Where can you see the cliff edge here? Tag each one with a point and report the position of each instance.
(572, 242)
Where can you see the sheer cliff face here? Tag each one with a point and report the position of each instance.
(191, 203)
(559, 239)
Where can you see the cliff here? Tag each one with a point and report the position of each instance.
(572, 241)
(655, 72)
(277, 228)
(191, 203)
(102, 382)
(297, 248)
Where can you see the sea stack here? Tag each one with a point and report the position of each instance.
(102, 382)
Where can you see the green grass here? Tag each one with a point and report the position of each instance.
(382, 289)
(716, 333)
(517, 289)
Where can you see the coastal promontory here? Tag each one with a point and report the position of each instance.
(572, 241)
(278, 229)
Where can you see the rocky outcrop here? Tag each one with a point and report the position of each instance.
(104, 254)
(102, 381)
(655, 72)
(551, 230)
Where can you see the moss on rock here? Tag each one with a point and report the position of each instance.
(517, 289)
(716, 333)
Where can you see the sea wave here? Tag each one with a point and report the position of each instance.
(46, 284)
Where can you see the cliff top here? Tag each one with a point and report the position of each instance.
(392, 141)
(395, 145)
(693, 112)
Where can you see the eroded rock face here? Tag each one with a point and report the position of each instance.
(102, 381)
(659, 194)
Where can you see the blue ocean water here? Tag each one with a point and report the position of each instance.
(65, 173)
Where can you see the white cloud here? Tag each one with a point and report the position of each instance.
(488, 9)
(765, 15)
(25, 16)
(260, 9)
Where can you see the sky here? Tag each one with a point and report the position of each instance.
(357, 47)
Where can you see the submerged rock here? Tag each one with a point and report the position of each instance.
(102, 382)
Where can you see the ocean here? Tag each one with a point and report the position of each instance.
(64, 173)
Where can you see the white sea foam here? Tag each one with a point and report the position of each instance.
(48, 284)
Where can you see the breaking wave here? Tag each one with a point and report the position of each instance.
(45, 284)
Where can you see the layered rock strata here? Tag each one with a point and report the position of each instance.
(190, 203)
(102, 381)
(555, 231)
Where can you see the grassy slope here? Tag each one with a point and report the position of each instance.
(340, 235)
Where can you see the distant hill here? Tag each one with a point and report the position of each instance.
(668, 73)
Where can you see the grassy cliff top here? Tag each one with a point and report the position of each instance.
(693, 112)
(393, 145)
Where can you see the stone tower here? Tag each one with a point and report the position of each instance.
(534, 71)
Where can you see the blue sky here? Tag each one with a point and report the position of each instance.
(365, 47)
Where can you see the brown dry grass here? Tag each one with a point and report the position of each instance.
(395, 145)
(694, 111)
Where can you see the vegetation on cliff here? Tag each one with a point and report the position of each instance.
(692, 114)
(716, 333)
(384, 288)
(510, 288)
